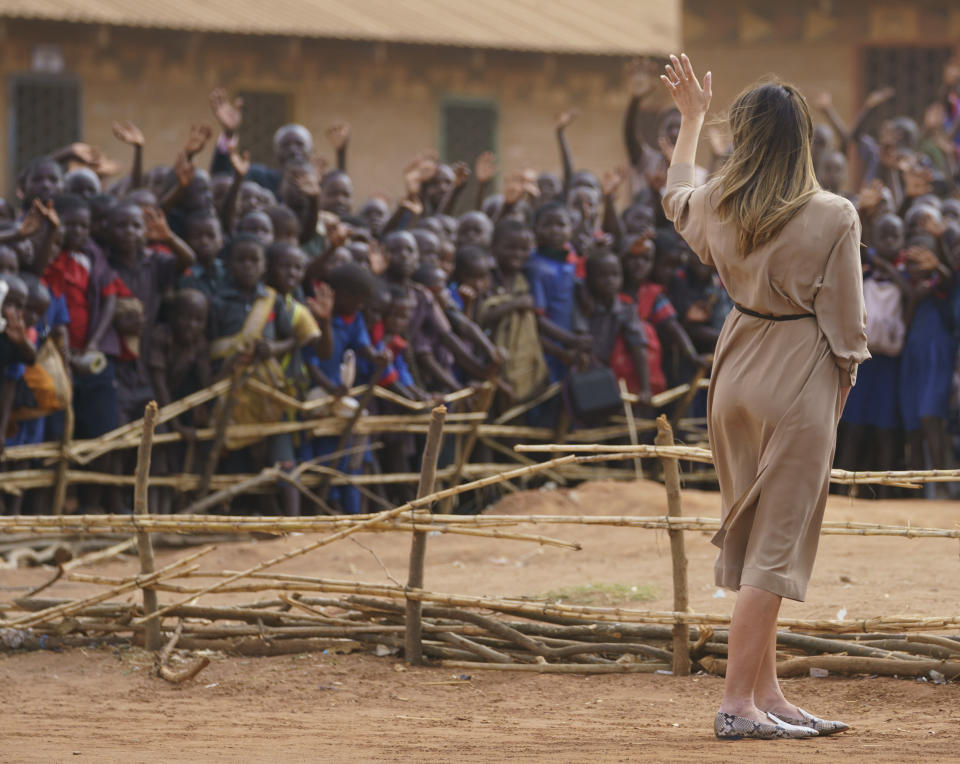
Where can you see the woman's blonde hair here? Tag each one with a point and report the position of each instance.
(769, 176)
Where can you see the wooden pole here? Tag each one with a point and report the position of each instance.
(152, 638)
(631, 426)
(60, 487)
(671, 478)
(469, 443)
(224, 413)
(418, 545)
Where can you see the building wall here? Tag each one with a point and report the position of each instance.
(390, 93)
(816, 44)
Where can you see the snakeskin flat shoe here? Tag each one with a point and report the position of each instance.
(822, 726)
(732, 727)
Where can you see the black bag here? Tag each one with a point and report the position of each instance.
(594, 392)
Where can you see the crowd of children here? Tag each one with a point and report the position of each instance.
(171, 278)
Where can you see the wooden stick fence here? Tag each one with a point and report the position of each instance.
(522, 635)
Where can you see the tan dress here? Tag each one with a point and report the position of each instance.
(774, 399)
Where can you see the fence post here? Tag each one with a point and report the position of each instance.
(418, 545)
(63, 464)
(141, 488)
(671, 479)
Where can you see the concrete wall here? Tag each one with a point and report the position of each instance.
(390, 93)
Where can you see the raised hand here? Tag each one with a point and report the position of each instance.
(338, 134)
(567, 118)
(229, 115)
(240, 162)
(305, 180)
(612, 180)
(823, 100)
(86, 153)
(128, 133)
(33, 221)
(461, 173)
(419, 171)
(197, 139)
(320, 165)
(183, 169)
(513, 188)
(156, 224)
(321, 304)
(485, 167)
(878, 97)
(691, 99)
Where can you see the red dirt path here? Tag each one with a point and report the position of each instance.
(102, 704)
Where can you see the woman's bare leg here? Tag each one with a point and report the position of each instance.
(767, 693)
(754, 621)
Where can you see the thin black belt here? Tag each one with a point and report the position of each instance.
(768, 317)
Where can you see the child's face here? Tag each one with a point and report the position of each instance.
(665, 266)
(336, 195)
(402, 256)
(75, 224)
(257, 224)
(249, 199)
(360, 250)
(375, 213)
(198, 195)
(553, 229)
(36, 307)
(438, 186)
(15, 303)
(436, 281)
(190, 320)
(8, 262)
(638, 219)
(637, 259)
(606, 279)
(586, 201)
(512, 251)
(127, 229)
(397, 318)
(477, 276)
(428, 245)
(888, 236)
(219, 186)
(83, 184)
(246, 265)
(950, 210)
(288, 268)
(584, 179)
(474, 230)
(205, 238)
(833, 171)
(550, 187)
(346, 304)
(43, 183)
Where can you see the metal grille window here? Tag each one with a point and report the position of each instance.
(468, 129)
(915, 72)
(44, 116)
(263, 113)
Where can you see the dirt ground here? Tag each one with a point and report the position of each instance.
(101, 703)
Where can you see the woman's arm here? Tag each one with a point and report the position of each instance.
(692, 101)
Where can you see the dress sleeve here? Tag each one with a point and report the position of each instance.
(839, 301)
(686, 207)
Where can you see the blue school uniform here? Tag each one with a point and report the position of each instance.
(552, 282)
(927, 362)
(349, 333)
(875, 400)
